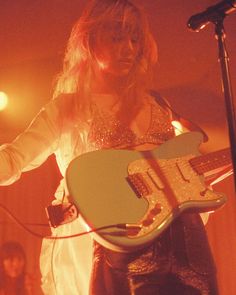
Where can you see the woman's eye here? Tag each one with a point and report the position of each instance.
(117, 38)
(134, 40)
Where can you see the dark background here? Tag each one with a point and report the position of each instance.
(33, 37)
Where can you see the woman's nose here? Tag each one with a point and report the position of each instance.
(128, 45)
(15, 261)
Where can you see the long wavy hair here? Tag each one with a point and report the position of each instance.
(80, 56)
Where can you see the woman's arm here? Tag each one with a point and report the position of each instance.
(33, 146)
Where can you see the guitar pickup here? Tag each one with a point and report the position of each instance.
(139, 185)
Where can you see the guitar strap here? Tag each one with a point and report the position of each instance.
(186, 123)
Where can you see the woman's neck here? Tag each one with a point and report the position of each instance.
(107, 83)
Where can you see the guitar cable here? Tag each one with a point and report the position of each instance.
(23, 225)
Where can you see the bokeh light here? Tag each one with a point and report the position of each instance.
(3, 100)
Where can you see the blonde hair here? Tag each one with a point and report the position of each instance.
(77, 73)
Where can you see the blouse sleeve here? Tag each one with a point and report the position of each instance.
(33, 146)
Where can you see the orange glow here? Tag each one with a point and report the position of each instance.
(102, 65)
(3, 100)
(178, 127)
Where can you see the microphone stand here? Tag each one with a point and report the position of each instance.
(227, 88)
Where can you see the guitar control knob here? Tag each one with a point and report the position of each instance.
(147, 222)
(156, 210)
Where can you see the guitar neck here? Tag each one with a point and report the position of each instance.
(212, 161)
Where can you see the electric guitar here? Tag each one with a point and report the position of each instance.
(142, 192)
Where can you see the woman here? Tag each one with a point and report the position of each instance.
(102, 100)
(13, 277)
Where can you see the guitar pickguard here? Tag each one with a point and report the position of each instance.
(173, 186)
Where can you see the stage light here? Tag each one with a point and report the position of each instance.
(3, 100)
(178, 127)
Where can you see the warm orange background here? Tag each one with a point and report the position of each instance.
(33, 35)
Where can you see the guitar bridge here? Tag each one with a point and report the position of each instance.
(139, 185)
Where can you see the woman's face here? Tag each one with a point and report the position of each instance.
(13, 266)
(117, 49)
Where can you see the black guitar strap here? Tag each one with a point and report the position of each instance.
(185, 122)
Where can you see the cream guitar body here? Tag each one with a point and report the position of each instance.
(142, 192)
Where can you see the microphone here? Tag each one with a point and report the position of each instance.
(211, 14)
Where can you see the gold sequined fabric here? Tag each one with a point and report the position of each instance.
(108, 132)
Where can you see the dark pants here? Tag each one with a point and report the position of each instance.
(179, 262)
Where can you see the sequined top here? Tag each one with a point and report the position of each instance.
(109, 132)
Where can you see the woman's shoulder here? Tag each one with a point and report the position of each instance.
(65, 99)
(60, 107)
(65, 104)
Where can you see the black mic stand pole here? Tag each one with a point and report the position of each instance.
(227, 88)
